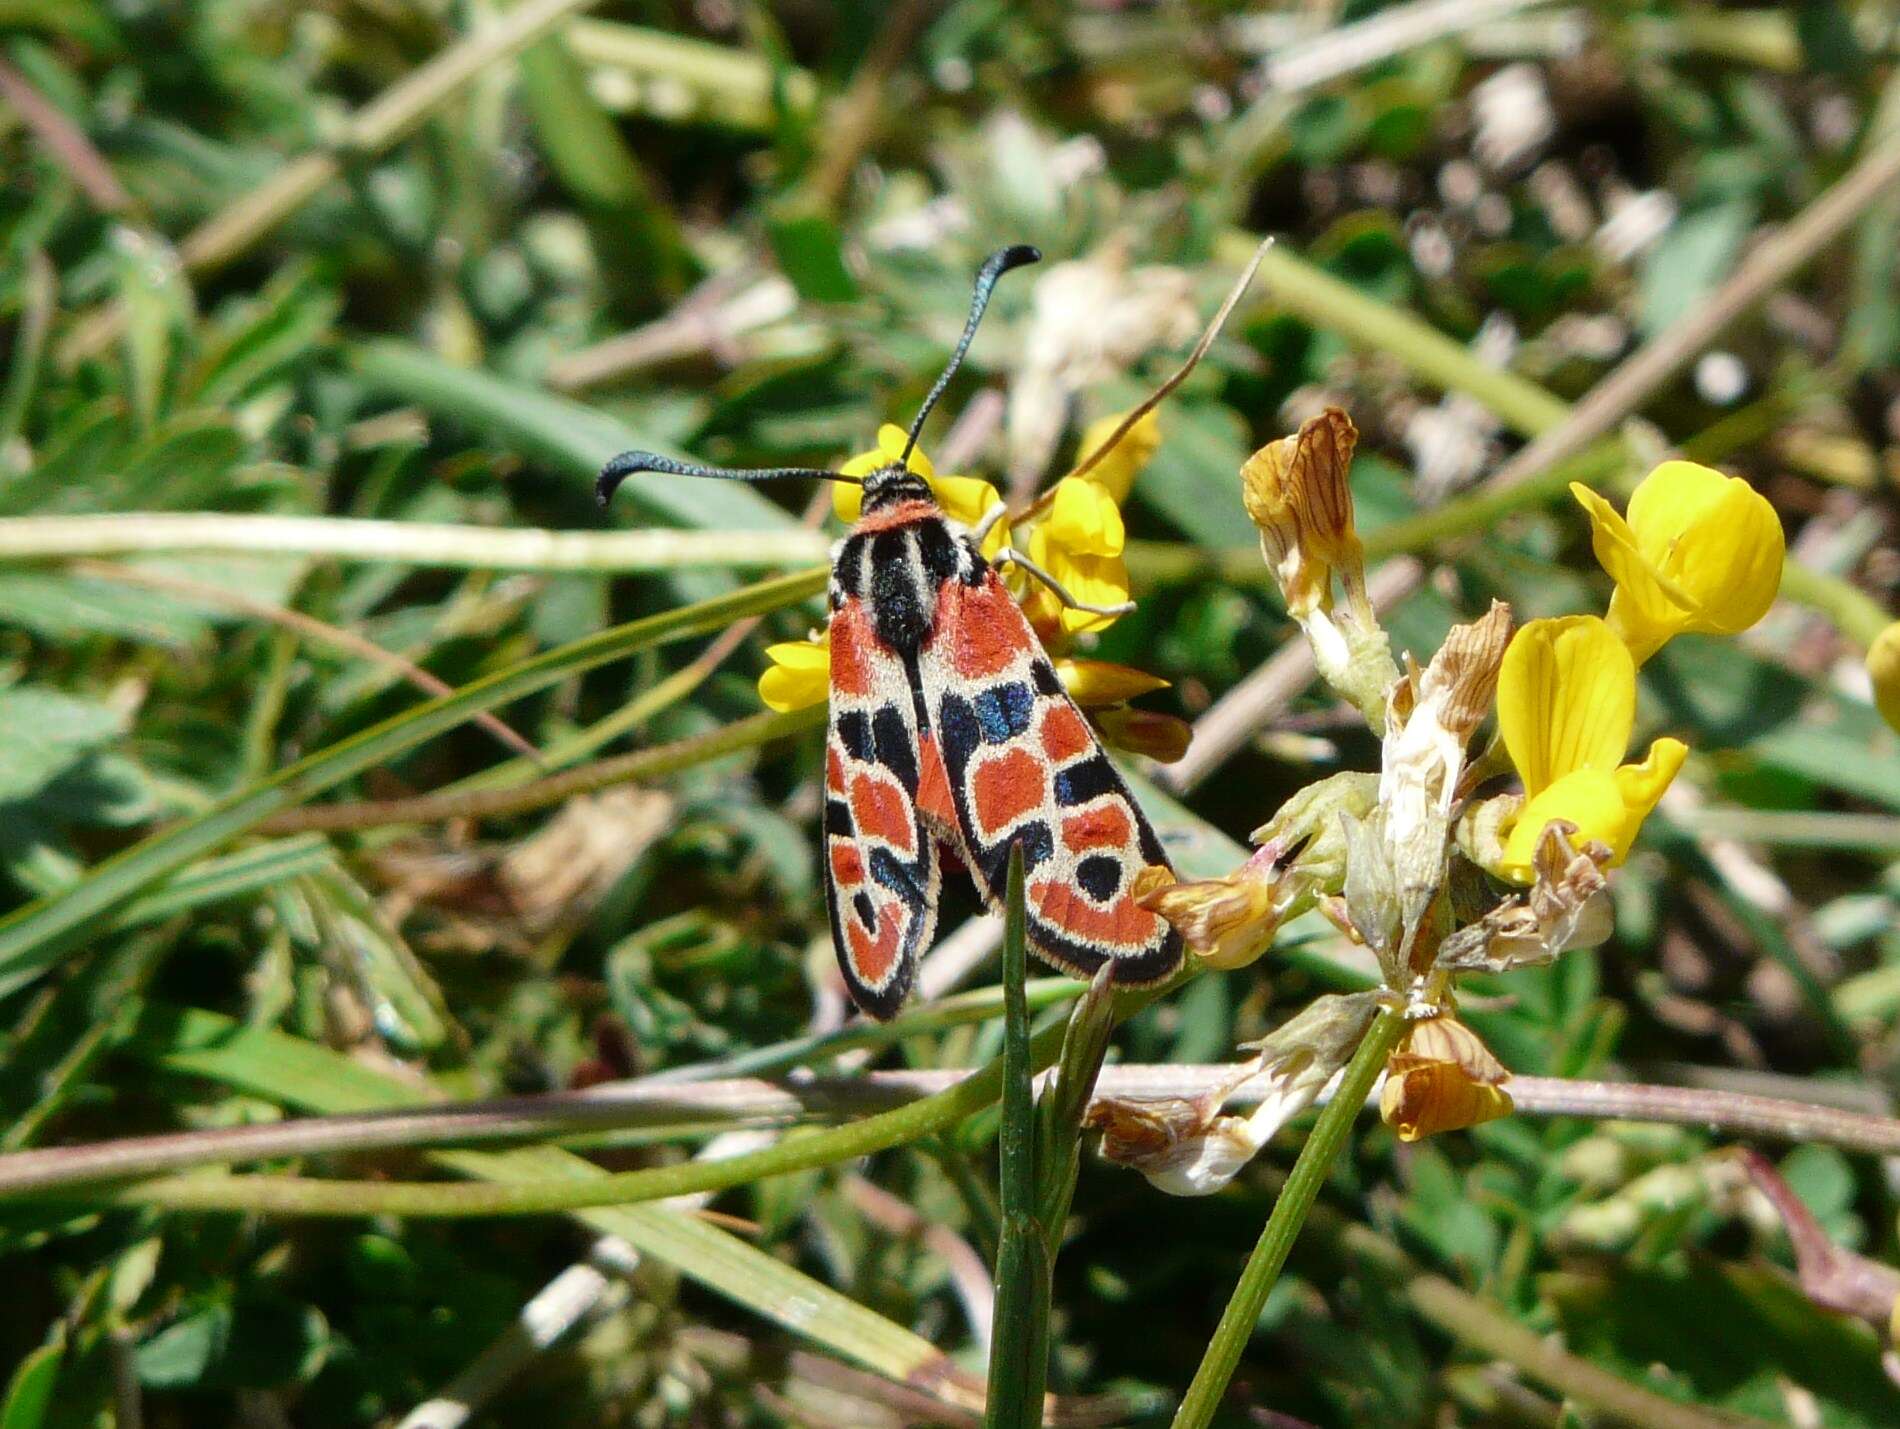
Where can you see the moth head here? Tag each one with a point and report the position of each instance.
(889, 485)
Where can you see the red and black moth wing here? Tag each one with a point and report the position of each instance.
(1023, 767)
(882, 871)
(950, 732)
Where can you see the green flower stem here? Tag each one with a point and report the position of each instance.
(734, 87)
(1857, 614)
(295, 1195)
(1236, 1327)
(1019, 1348)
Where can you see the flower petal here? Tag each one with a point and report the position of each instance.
(1883, 672)
(1699, 551)
(1566, 699)
(799, 675)
(1640, 786)
(1083, 518)
(1728, 559)
(1589, 798)
(969, 499)
(1117, 469)
(1096, 684)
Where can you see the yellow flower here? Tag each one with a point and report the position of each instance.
(1566, 706)
(1117, 469)
(1698, 552)
(967, 499)
(1883, 668)
(799, 676)
(1097, 684)
(1078, 540)
(1441, 1077)
(1163, 738)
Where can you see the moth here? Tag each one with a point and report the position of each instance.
(952, 739)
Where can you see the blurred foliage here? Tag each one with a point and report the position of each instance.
(746, 231)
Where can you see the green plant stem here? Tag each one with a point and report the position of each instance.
(1237, 1321)
(734, 86)
(293, 1195)
(687, 753)
(1019, 1347)
(1857, 614)
(415, 543)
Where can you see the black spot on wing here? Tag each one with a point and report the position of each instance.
(854, 733)
(1044, 674)
(1100, 876)
(895, 749)
(958, 733)
(1038, 846)
(867, 915)
(1003, 711)
(1081, 782)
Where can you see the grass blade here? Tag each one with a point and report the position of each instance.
(1019, 1348)
(30, 937)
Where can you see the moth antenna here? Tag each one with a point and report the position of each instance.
(1153, 400)
(994, 266)
(626, 464)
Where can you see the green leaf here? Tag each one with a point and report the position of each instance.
(810, 250)
(182, 1354)
(45, 732)
(30, 1391)
(1695, 255)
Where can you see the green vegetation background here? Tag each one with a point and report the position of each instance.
(259, 257)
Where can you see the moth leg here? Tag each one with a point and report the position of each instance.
(988, 523)
(1016, 557)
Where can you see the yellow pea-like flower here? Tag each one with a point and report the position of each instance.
(967, 499)
(1566, 708)
(1097, 684)
(1117, 469)
(1441, 1077)
(1698, 552)
(1078, 540)
(799, 675)
(1883, 669)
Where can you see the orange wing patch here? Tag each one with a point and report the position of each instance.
(1004, 788)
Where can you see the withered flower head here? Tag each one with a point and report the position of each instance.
(1430, 716)
(1190, 1148)
(1226, 922)
(1296, 491)
(1442, 1078)
(1567, 907)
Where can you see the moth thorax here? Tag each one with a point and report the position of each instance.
(889, 485)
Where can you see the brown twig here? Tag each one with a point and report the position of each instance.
(758, 1101)
(854, 119)
(308, 626)
(64, 140)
